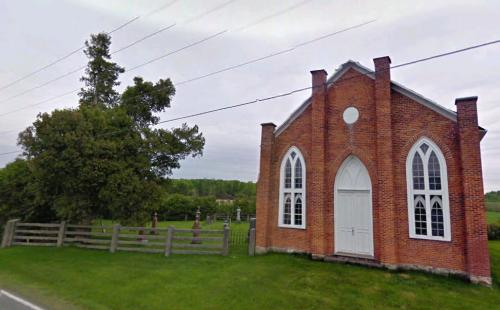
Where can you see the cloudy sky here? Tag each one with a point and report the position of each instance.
(35, 33)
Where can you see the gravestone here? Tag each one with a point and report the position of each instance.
(238, 215)
(196, 228)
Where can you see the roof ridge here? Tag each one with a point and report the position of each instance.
(340, 71)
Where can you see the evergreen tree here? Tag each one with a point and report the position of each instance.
(101, 75)
(103, 159)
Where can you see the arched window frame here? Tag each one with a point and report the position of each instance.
(292, 190)
(427, 192)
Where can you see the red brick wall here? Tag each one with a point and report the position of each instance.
(411, 121)
(408, 121)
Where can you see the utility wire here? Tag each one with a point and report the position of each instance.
(177, 50)
(273, 15)
(131, 69)
(143, 38)
(198, 77)
(199, 16)
(166, 5)
(447, 53)
(285, 94)
(84, 66)
(272, 54)
(12, 152)
(306, 88)
(62, 58)
(154, 11)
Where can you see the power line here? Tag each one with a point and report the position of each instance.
(63, 57)
(42, 102)
(199, 16)
(205, 75)
(84, 66)
(285, 94)
(272, 54)
(177, 50)
(131, 69)
(143, 38)
(447, 53)
(8, 153)
(132, 44)
(166, 5)
(154, 11)
(273, 15)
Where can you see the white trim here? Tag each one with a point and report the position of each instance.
(20, 300)
(427, 192)
(292, 190)
(336, 190)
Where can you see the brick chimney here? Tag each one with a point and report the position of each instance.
(477, 255)
(385, 172)
(317, 204)
(263, 207)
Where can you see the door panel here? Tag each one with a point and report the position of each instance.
(353, 209)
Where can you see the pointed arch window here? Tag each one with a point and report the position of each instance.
(428, 201)
(292, 200)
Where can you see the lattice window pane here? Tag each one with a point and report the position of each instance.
(424, 147)
(418, 172)
(293, 154)
(437, 219)
(298, 209)
(420, 216)
(434, 172)
(288, 174)
(287, 210)
(298, 174)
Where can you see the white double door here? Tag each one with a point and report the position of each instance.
(353, 220)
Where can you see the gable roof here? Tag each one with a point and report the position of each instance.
(371, 74)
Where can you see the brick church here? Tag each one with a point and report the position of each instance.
(368, 171)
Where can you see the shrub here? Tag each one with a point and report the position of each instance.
(494, 231)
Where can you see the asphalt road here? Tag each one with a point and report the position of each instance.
(9, 301)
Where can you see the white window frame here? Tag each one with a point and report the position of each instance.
(292, 191)
(427, 192)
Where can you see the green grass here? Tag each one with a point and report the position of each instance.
(493, 206)
(188, 224)
(493, 217)
(60, 277)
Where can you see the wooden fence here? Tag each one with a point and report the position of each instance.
(118, 238)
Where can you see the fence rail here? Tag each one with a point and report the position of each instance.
(128, 238)
(118, 238)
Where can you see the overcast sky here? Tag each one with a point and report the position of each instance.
(35, 33)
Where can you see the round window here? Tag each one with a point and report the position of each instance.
(351, 115)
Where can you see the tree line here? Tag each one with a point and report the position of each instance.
(182, 197)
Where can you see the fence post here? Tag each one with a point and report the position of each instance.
(12, 232)
(60, 235)
(114, 238)
(225, 249)
(6, 234)
(168, 242)
(251, 243)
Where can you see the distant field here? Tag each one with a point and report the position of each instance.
(493, 206)
(493, 217)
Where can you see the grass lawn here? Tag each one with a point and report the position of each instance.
(62, 278)
(188, 224)
(493, 206)
(493, 217)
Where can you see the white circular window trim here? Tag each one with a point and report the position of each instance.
(351, 115)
